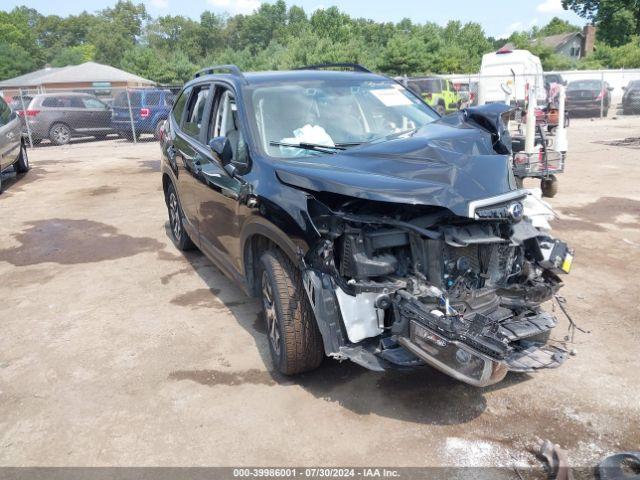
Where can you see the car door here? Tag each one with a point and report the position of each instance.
(74, 113)
(98, 115)
(10, 135)
(218, 193)
(188, 147)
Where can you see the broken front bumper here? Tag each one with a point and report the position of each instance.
(423, 345)
(466, 364)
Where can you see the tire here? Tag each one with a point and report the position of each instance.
(549, 186)
(22, 165)
(295, 342)
(59, 134)
(157, 128)
(441, 110)
(179, 235)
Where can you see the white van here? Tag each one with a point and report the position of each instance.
(510, 71)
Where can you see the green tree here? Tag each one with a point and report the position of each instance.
(403, 55)
(557, 26)
(74, 55)
(617, 20)
(116, 30)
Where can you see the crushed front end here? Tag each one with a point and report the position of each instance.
(407, 285)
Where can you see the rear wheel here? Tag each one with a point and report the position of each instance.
(295, 342)
(178, 234)
(60, 134)
(22, 165)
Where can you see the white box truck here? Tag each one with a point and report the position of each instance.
(505, 74)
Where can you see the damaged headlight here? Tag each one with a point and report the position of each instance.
(453, 358)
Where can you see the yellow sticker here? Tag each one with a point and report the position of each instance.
(566, 264)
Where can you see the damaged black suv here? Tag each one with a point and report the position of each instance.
(372, 229)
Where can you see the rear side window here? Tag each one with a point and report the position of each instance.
(93, 103)
(178, 108)
(63, 102)
(153, 99)
(121, 99)
(430, 85)
(193, 115)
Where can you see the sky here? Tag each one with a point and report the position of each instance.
(499, 18)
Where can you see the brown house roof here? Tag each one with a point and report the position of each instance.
(84, 73)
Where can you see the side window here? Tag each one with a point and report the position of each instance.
(178, 107)
(52, 102)
(5, 113)
(93, 103)
(226, 124)
(152, 99)
(193, 115)
(76, 102)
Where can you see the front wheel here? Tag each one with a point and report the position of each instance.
(22, 165)
(178, 234)
(295, 342)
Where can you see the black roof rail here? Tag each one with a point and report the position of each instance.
(232, 69)
(352, 66)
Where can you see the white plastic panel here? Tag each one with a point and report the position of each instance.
(360, 315)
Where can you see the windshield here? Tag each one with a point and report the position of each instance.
(585, 85)
(332, 113)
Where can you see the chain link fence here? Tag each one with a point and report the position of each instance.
(60, 116)
(590, 93)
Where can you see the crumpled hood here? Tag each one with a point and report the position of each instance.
(447, 163)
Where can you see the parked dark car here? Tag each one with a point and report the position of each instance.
(61, 116)
(631, 98)
(149, 109)
(586, 96)
(13, 151)
(371, 228)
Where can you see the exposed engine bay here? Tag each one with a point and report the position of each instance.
(408, 285)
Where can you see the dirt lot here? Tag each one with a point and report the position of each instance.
(116, 349)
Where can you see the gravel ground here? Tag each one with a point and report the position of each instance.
(116, 349)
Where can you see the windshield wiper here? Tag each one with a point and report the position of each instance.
(391, 136)
(310, 146)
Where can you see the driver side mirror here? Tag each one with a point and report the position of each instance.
(222, 149)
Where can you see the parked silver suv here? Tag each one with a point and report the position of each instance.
(60, 116)
(12, 148)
